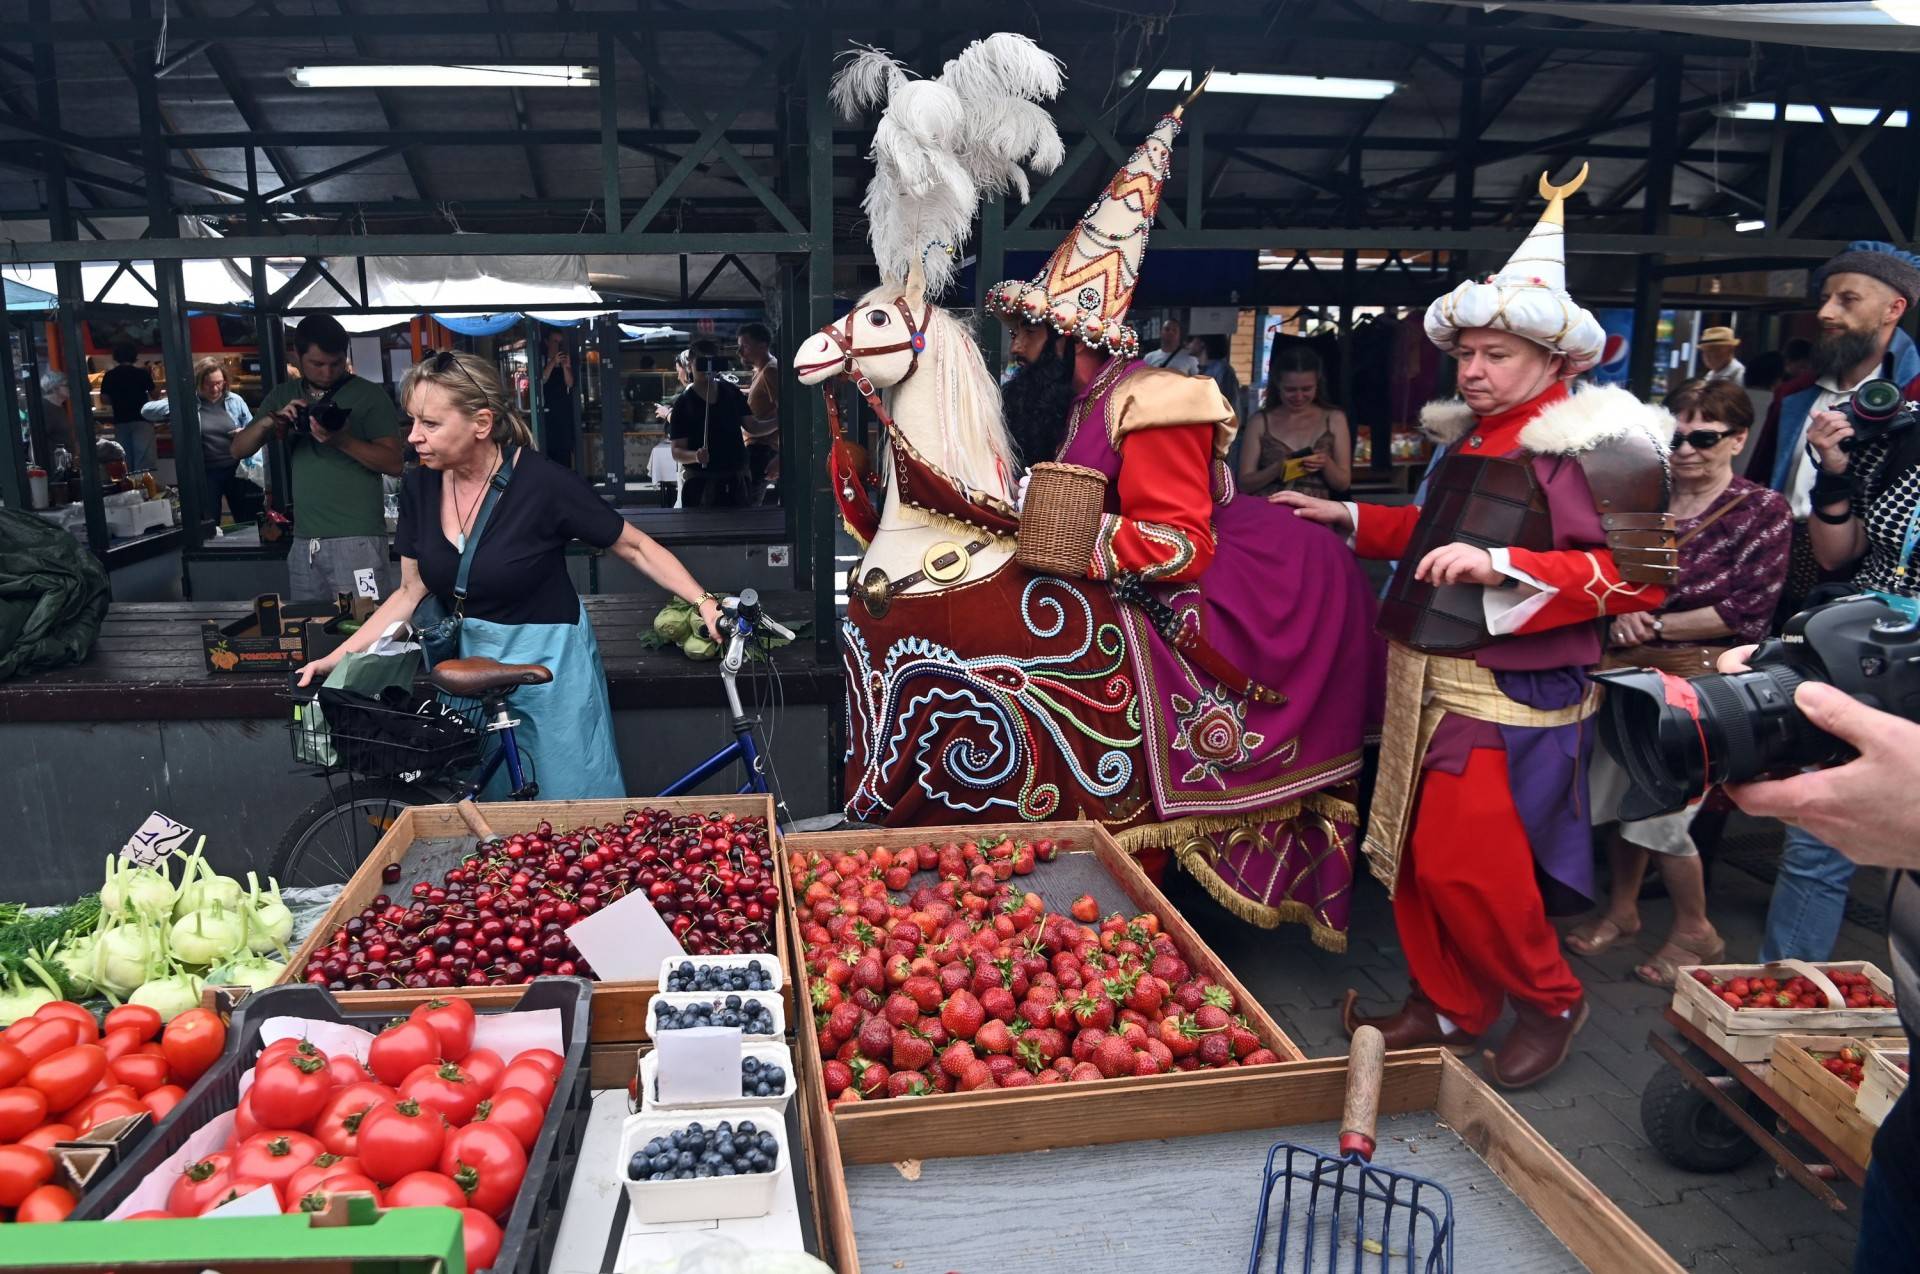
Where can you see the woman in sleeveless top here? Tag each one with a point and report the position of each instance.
(1296, 442)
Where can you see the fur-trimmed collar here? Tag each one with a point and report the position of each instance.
(1589, 416)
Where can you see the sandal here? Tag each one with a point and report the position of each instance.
(1663, 967)
(1596, 937)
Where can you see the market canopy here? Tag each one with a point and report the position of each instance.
(487, 287)
(21, 297)
(1881, 26)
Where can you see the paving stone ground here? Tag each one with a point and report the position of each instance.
(1751, 1220)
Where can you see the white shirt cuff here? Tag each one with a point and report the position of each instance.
(1353, 520)
(1507, 610)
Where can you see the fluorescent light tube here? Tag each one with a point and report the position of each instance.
(443, 76)
(1807, 113)
(1260, 82)
(1747, 227)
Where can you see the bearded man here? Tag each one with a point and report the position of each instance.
(1546, 515)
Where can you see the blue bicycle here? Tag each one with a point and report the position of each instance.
(379, 759)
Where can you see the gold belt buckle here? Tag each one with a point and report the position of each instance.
(945, 562)
(875, 593)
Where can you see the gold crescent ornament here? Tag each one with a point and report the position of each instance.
(1556, 196)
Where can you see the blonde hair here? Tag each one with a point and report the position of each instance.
(207, 367)
(473, 386)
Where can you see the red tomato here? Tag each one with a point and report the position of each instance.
(110, 1106)
(516, 1110)
(400, 1050)
(244, 1124)
(279, 1049)
(482, 1238)
(530, 1076)
(48, 1203)
(452, 1022)
(316, 1199)
(323, 1168)
(137, 1017)
(290, 1092)
(22, 1171)
(69, 1075)
(22, 1110)
(425, 1190)
(273, 1157)
(119, 1043)
(204, 1180)
(151, 1214)
(487, 1163)
(44, 1137)
(193, 1041)
(143, 1072)
(485, 1066)
(77, 1114)
(47, 1036)
(13, 1064)
(546, 1059)
(237, 1188)
(83, 1018)
(344, 1069)
(398, 1138)
(162, 1100)
(445, 1088)
(338, 1123)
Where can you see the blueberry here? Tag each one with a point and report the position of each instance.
(637, 1165)
(703, 1170)
(750, 1064)
(733, 1001)
(725, 1170)
(683, 1160)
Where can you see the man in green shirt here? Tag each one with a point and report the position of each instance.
(339, 518)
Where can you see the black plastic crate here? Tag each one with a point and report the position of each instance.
(534, 1224)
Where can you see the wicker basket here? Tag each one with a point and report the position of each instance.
(1060, 518)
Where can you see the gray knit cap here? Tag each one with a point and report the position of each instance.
(1898, 270)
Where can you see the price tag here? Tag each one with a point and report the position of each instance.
(365, 584)
(625, 941)
(699, 1063)
(157, 837)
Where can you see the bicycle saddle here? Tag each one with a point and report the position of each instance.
(475, 678)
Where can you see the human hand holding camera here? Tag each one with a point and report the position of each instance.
(1828, 433)
(284, 418)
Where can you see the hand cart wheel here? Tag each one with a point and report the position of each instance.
(1685, 1126)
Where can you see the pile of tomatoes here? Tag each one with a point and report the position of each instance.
(64, 1073)
(1856, 990)
(428, 1120)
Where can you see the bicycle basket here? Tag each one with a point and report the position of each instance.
(398, 733)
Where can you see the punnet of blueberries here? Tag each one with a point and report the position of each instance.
(725, 1150)
(757, 1079)
(751, 1016)
(715, 977)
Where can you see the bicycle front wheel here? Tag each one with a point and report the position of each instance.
(329, 839)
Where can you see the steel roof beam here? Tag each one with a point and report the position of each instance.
(244, 102)
(354, 21)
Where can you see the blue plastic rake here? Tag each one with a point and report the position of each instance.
(1340, 1213)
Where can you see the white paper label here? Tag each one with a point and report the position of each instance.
(700, 1063)
(157, 837)
(625, 942)
(261, 1202)
(365, 584)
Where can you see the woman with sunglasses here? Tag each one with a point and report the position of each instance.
(1733, 537)
(520, 606)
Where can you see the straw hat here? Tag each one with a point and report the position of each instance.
(1718, 336)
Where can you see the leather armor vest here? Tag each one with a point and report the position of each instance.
(1488, 501)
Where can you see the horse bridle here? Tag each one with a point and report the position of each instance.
(841, 334)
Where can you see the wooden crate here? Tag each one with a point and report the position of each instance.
(1199, 1103)
(1748, 1034)
(1822, 1098)
(619, 1007)
(1885, 1080)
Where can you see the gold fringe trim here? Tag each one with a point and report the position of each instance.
(1324, 936)
(1180, 830)
(952, 526)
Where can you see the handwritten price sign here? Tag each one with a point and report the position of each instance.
(157, 837)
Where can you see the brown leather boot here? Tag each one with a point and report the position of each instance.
(1416, 1024)
(1535, 1047)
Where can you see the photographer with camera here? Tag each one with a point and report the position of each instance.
(342, 434)
(706, 428)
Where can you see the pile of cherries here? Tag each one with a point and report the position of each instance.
(500, 917)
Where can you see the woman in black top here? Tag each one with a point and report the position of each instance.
(707, 430)
(556, 401)
(521, 606)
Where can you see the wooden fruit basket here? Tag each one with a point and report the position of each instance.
(1885, 1080)
(1818, 1095)
(1748, 1034)
(619, 1007)
(912, 1183)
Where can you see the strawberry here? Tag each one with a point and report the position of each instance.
(994, 1037)
(954, 977)
(1147, 995)
(843, 1021)
(1215, 1050)
(1160, 1053)
(1086, 1042)
(956, 1056)
(1000, 1068)
(867, 999)
(1145, 1064)
(897, 878)
(838, 1076)
(1244, 1041)
(1085, 1071)
(876, 1038)
(1219, 997)
(907, 1084)
(900, 1010)
(1016, 1078)
(987, 976)
(900, 966)
(972, 1076)
(1114, 1057)
(1092, 1011)
(998, 1002)
(870, 1079)
(1260, 1057)
(1030, 1054)
(911, 1051)
(1189, 995)
(868, 974)
(1049, 1076)
(962, 1015)
(1211, 1017)
(1023, 860)
(1046, 850)
(925, 992)
(1085, 909)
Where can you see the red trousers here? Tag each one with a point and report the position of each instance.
(1469, 913)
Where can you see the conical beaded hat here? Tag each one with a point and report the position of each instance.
(1528, 296)
(1088, 282)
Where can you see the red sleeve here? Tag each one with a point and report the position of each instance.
(1164, 530)
(1382, 530)
(1586, 584)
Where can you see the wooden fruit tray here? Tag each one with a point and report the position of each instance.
(911, 1186)
(619, 1008)
(1822, 1098)
(1748, 1034)
(1885, 1080)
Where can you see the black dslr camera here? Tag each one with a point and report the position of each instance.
(1877, 409)
(1676, 737)
(331, 416)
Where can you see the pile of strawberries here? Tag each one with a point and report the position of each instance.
(973, 983)
(1795, 992)
(1849, 1064)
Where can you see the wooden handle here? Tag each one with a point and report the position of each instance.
(1365, 1063)
(475, 821)
(1835, 1000)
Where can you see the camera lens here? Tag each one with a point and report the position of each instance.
(1877, 400)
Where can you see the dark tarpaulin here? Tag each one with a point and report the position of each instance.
(53, 595)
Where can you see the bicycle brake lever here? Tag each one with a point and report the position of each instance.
(778, 627)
